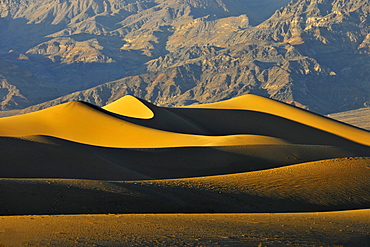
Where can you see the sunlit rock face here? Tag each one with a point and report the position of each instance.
(312, 54)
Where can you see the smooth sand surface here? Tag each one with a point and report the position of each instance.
(347, 228)
(229, 121)
(250, 158)
(48, 157)
(261, 104)
(83, 123)
(131, 107)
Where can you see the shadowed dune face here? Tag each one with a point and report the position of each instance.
(335, 184)
(133, 123)
(251, 114)
(45, 157)
(260, 104)
(80, 122)
(245, 155)
(243, 134)
(260, 123)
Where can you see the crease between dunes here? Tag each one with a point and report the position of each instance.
(261, 104)
(51, 157)
(80, 122)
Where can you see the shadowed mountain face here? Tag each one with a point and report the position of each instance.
(313, 54)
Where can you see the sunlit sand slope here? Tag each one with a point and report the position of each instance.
(261, 104)
(248, 114)
(245, 155)
(163, 119)
(84, 123)
(131, 107)
(336, 184)
(346, 228)
(134, 123)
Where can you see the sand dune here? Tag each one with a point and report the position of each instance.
(50, 157)
(336, 184)
(163, 119)
(261, 104)
(81, 122)
(245, 155)
(45, 157)
(251, 117)
(346, 228)
(131, 107)
(84, 123)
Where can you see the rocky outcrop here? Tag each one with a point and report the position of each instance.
(19, 88)
(314, 54)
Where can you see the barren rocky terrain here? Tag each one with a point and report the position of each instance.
(313, 54)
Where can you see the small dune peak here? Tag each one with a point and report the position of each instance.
(130, 106)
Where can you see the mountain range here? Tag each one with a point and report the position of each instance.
(314, 54)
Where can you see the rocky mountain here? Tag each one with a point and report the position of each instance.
(314, 54)
(19, 88)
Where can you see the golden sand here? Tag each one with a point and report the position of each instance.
(346, 228)
(262, 104)
(336, 184)
(131, 107)
(133, 157)
(79, 122)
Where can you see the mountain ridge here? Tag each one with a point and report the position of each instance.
(313, 54)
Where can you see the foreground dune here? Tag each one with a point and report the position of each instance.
(337, 184)
(346, 228)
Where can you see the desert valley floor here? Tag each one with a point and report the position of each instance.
(249, 171)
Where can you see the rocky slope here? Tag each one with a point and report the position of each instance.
(313, 54)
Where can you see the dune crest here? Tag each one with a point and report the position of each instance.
(130, 106)
(83, 123)
(261, 104)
